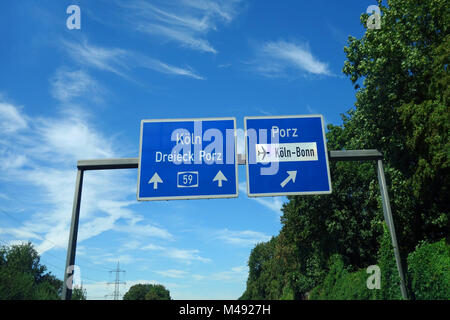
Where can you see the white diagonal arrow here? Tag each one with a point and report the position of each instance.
(291, 176)
(155, 180)
(220, 177)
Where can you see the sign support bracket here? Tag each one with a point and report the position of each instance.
(132, 163)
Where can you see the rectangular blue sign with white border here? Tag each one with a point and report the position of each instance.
(187, 159)
(286, 155)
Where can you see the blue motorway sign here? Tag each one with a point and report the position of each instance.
(286, 155)
(187, 159)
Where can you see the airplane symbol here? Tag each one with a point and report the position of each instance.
(264, 152)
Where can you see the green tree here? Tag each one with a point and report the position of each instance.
(23, 277)
(401, 73)
(157, 292)
(147, 292)
(262, 281)
(137, 292)
(79, 293)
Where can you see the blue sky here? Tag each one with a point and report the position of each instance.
(67, 95)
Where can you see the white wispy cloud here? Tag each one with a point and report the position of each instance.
(283, 59)
(186, 22)
(186, 256)
(120, 61)
(67, 85)
(162, 67)
(71, 138)
(121, 258)
(11, 119)
(144, 230)
(153, 247)
(245, 238)
(233, 274)
(187, 39)
(173, 273)
(130, 245)
(20, 233)
(182, 255)
(108, 59)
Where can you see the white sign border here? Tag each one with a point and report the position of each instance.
(219, 196)
(276, 194)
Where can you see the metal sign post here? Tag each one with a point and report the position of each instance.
(107, 164)
(132, 163)
(390, 223)
(68, 273)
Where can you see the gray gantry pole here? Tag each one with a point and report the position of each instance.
(82, 165)
(390, 223)
(131, 163)
(70, 261)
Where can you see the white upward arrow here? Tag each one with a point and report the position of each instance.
(220, 177)
(291, 176)
(155, 180)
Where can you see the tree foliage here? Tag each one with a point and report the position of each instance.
(428, 269)
(79, 293)
(23, 277)
(147, 292)
(400, 74)
(402, 109)
(340, 284)
(157, 292)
